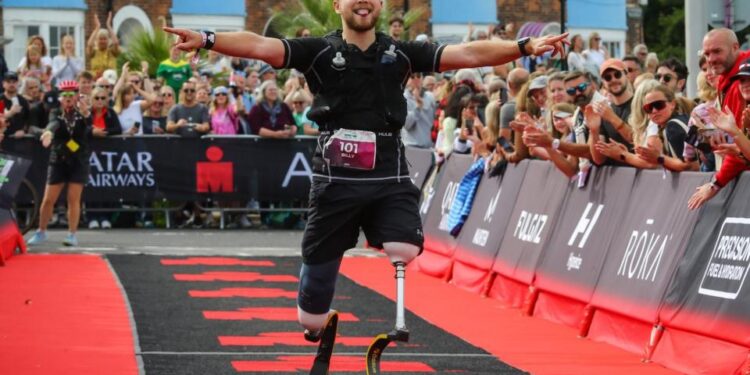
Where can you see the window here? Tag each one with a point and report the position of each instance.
(614, 48)
(55, 38)
(20, 40)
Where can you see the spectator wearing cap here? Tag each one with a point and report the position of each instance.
(175, 70)
(673, 74)
(67, 135)
(271, 117)
(538, 92)
(396, 27)
(420, 112)
(16, 107)
(102, 48)
(612, 116)
(224, 118)
(595, 54)
(266, 73)
(633, 67)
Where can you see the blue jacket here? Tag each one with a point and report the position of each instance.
(467, 189)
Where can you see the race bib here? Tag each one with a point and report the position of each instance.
(354, 149)
(72, 145)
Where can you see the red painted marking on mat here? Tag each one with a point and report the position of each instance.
(289, 339)
(244, 292)
(234, 276)
(285, 314)
(338, 364)
(216, 261)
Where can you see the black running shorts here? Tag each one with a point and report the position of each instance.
(386, 212)
(75, 172)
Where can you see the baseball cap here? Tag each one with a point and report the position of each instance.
(221, 90)
(10, 75)
(744, 69)
(110, 75)
(266, 68)
(538, 83)
(612, 64)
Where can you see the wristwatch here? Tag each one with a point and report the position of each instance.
(522, 45)
(555, 144)
(714, 184)
(660, 160)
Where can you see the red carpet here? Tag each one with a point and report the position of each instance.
(531, 344)
(63, 314)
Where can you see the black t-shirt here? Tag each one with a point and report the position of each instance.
(314, 56)
(150, 123)
(675, 132)
(608, 130)
(20, 120)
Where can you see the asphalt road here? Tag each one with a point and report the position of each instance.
(253, 242)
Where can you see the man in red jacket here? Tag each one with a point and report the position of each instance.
(722, 51)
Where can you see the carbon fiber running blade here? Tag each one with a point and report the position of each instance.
(375, 351)
(325, 348)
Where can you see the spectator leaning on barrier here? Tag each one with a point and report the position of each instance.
(721, 48)
(155, 118)
(68, 134)
(633, 67)
(271, 117)
(561, 115)
(223, 114)
(66, 66)
(175, 70)
(102, 48)
(420, 112)
(664, 137)
(726, 121)
(517, 78)
(167, 93)
(189, 118)
(129, 109)
(612, 117)
(16, 107)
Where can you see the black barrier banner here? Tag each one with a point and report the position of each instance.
(222, 168)
(576, 250)
(12, 171)
(436, 232)
(531, 222)
(647, 244)
(708, 294)
(480, 238)
(420, 162)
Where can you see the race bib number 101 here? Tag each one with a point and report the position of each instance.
(353, 149)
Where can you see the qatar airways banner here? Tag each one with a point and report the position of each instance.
(578, 246)
(437, 208)
(648, 241)
(531, 221)
(709, 293)
(148, 168)
(420, 162)
(480, 238)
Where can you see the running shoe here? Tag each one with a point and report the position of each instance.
(70, 240)
(38, 238)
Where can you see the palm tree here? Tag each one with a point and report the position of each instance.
(319, 17)
(144, 46)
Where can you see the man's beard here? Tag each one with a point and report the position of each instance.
(622, 90)
(351, 22)
(582, 99)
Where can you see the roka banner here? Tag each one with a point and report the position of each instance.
(708, 294)
(531, 222)
(480, 238)
(578, 246)
(421, 161)
(222, 168)
(648, 242)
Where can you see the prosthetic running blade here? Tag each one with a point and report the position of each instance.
(399, 333)
(327, 338)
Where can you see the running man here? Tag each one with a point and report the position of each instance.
(360, 175)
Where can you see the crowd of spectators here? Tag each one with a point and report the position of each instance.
(585, 109)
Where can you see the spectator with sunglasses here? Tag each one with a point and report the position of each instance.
(155, 117)
(673, 74)
(541, 142)
(610, 119)
(68, 134)
(167, 93)
(659, 137)
(224, 114)
(189, 118)
(633, 67)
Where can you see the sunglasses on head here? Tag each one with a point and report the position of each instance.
(666, 77)
(608, 76)
(657, 105)
(581, 87)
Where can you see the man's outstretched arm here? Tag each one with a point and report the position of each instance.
(497, 52)
(239, 44)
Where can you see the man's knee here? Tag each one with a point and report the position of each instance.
(316, 286)
(400, 251)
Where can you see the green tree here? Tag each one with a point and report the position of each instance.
(319, 17)
(664, 28)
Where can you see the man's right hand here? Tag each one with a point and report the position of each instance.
(189, 40)
(702, 195)
(182, 122)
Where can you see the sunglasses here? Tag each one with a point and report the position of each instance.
(657, 105)
(135, 82)
(632, 70)
(167, 94)
(105, 86)
(580, 88)
(188, 91)
(100, 98)
(666, 77)
(300, 103)
(219, 94)
(608, 77)
(67, 94)
(158, 103)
